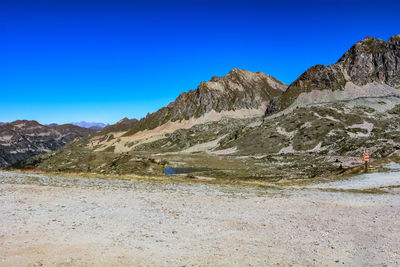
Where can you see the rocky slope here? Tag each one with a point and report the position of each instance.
(370, 68)
(22, 139)
(238, 90)
(239, 94)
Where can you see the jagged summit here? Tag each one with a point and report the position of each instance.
(373, 59)
(371, 62)
(395, 39)
(247, 77)
(238, 90)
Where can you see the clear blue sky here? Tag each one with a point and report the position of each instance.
(63, 61)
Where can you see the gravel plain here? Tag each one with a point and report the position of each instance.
(47, 220)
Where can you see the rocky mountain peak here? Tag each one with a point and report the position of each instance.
(247, 78)
(238, 90)
(371, 60)
(395, 39)
(239, 74)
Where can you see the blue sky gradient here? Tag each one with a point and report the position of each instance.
(64, 61)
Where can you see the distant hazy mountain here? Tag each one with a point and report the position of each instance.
(22, 139)
(94, 125)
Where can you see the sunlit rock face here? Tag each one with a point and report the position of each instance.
(238, 90)
(371, 62)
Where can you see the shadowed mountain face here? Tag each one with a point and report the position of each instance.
(22, 139)
(369, 68)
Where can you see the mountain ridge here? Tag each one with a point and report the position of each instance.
(22, 139)
(367, 61)
(239, 89)
(245, 94)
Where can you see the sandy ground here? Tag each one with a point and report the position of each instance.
(69, 221)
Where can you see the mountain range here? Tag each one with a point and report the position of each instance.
(326, 117)
(98, 126)
(23, 139)
(92, 125)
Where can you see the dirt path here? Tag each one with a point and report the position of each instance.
(129, 222)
